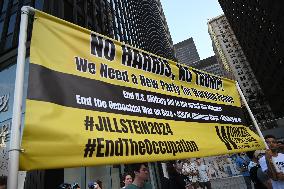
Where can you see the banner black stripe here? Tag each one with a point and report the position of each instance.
(60, 88)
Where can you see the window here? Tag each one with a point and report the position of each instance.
(5, 5)
(9, 35)
(9, 40)
(1, 27)
(27, 2)
(235, 61)
(233, 55)
(230, 51)
(80, 3)
(11, 26)
(39, 4)
(225, 40)
(15, 2)
(228, 45)
(68, 11)
(90, 8)
(248, 91)
(240, 72)
(80, 20)
(245, 84)
(243, 78)
(238, 66)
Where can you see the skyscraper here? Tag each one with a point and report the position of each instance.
(186, 52)
(230, 53)
(149, 26)
(258, 26)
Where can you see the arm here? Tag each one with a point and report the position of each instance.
(263, 178)
(280, 176)
(240, 166)
(268, 184)
(271, 171)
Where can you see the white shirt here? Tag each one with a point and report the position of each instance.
(188, 169)
(203, 176)
(279, 161)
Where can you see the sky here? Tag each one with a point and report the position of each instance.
(188, 18)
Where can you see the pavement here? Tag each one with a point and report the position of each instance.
(236, 182)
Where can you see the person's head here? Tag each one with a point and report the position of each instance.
(93, 185)
(126, 179)
(271, 142)
(189, 160)
(170, 168)
(178, 164)
(198, 161)
(64, 186)
(3, 182)
(140, 171)
(100, 183)
(242, 154)
(258, 154)
(75, 186)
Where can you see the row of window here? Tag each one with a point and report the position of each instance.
(9, 20)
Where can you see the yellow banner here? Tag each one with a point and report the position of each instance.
(93, 101)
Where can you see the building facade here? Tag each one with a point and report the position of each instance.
(210, 65)
(150, 28)
(230, 53)
(186, 52)
(138, 23)
(141, 24)
(258, 26)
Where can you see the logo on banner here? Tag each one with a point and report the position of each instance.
(4, 103)
(236, 137)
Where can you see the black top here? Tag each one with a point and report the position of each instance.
(254, 178)
(177, 181)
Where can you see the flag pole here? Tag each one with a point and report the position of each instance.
(14, 150)
(254, 122)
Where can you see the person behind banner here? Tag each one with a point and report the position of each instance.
(64, 186)
(259, 179)
(203, 173)
(280, 145)
(176, 179)
(100, 183)
(3, 182)
(267, 165)
(190, 169)
(75, 186)
(126, 180)
(95, 185)
(242, 163)
(141, 173)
